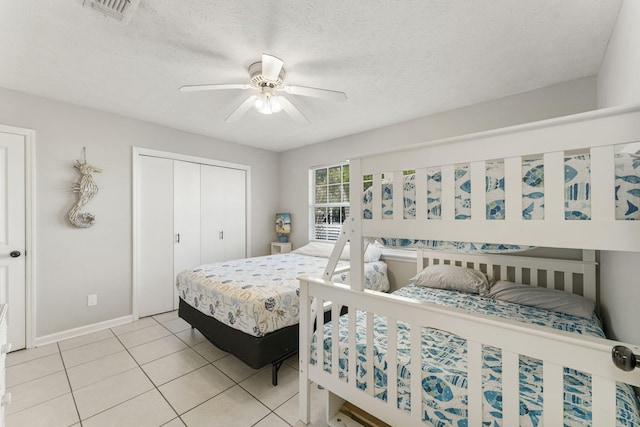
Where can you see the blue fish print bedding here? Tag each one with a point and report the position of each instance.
(577, 190)
(444, 381)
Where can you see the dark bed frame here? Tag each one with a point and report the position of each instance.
(257, 352)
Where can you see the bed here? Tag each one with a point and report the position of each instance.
(570, 182)
(250, 307)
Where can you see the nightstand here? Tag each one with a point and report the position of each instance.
(280, 248)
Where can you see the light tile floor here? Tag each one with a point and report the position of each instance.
(153, 372)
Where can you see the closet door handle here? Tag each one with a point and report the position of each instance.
(221, 235)
(178, 238)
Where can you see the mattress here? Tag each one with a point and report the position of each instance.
(444, 361)
(260, 295)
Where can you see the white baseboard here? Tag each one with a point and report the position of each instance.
(82, 330)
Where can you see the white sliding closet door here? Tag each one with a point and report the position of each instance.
(234, 214)
(186, 223)
(155, 213)
(187, 214)
(223, 204)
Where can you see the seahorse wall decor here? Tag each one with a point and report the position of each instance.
(86, 189)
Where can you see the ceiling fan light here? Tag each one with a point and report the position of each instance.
(275, 104)
(267, 104)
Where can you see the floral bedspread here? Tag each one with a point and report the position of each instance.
(260, 295)
(444, 378)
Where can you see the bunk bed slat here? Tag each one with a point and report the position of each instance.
(478, 193)
(551, 279)
(369, 366)
(398, 196)
(518, 274)
(376, 201)
(352, 346)
(490, 272)
(503, 272)
(568, 281)
(603, 206)
(416, 373)
(335, 343)
(474, 378)
(448, 209)
(603, 392)
(392, 357)
(421, 194)
(554, 186)
(533, 276)
(510, 388)
(513, 188)
(553, 389)
(319, 312)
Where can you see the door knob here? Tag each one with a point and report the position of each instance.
(624, 358)
(14, 254)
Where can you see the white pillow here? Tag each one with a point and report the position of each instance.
(319, 249)
(544, 298)
(324, 249)
(453, 278)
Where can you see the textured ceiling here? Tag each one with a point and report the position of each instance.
(396, 60)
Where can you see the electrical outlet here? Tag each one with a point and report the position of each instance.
(92, 300)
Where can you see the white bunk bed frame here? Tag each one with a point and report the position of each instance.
(596, 132)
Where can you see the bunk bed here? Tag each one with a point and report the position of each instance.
(569, 182)
(250, 307)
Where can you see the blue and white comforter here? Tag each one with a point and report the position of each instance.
(260, 295)
(444, 398)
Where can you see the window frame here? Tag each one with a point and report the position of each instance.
(330, 231)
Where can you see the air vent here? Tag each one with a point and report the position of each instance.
(117, 9)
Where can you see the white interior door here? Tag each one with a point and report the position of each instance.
(155, 217)
(186, 207)
(12, 235)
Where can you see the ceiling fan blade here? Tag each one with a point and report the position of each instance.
(195, 88)
(292, 111)
(242, 109)
(271, 67)
(329, 95)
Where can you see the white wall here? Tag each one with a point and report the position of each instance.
(553, 101)
(620, 295)
(619, 84)
(71, 262)
(618, 81)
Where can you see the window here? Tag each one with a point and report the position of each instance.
(329, 201)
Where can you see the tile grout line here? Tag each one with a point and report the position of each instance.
(272, 411)
(66, 374)
(146, 375)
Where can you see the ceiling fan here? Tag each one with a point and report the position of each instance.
(267, 80)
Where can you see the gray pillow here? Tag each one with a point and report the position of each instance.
(453, 278)
(544, 298)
